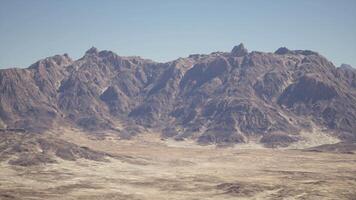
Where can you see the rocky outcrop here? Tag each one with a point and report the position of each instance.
(26, 149)
(239, 50)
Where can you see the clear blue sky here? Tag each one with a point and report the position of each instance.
(165, 30)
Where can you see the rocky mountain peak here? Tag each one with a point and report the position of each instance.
(282, 51)
(62, 59)
(346, 66)
(53, 61)
(285, 50)
(239, 50)
(92, 51)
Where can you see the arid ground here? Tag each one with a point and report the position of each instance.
(150, 168)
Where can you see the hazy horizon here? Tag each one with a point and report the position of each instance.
(163, 31)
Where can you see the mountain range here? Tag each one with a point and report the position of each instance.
(218, 98)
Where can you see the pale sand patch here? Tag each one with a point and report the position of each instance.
(313, 138)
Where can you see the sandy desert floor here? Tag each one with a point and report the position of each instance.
(154, 169)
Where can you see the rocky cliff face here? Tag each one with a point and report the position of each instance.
(223, 97)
